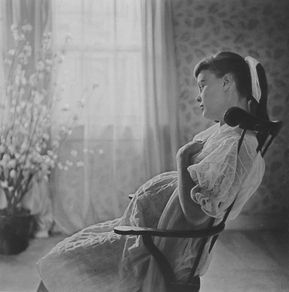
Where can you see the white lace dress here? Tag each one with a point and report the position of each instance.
(95, 258)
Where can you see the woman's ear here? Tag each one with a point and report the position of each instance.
(228, 81)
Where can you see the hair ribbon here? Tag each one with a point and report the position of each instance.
(256, 90)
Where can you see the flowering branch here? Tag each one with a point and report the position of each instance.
(27, 148)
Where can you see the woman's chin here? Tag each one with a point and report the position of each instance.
(205, 114)
(208, 117)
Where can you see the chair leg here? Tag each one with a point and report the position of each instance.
(41, 288)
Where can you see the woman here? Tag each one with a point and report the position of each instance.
(210, 175)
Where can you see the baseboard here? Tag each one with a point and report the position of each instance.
(258, 222)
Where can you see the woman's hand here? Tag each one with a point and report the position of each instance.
(192, 211)
(186, 152)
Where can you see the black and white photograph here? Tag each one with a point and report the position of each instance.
(144, 146)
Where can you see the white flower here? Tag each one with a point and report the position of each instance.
(81, 102)
(28, 50)
(13, 27)
(27, 27)
(38, 98)
(68, 163)
(73, 153)
(10, 189)
(12, 173)
(23, 80)
(33, 80)
(59, 165)
(11, 52)
(45, 136)
(68, 37)
(6, 157)
(7, 62)
(4, 184)
(79, 163)
(40, 66)
(2, 148)
(65, 107)
(41, 76)
(12, 163)
(55, 144)
(11, 148)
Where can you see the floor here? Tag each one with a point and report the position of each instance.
(248, 261)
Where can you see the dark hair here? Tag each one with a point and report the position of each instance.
(228, 62)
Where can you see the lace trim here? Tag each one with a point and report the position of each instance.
(219, 176)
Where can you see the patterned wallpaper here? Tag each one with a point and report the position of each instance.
(259, 28)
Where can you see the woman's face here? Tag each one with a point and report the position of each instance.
(212, 97)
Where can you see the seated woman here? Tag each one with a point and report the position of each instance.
(210, 175)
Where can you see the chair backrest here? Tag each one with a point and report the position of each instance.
(267, 129)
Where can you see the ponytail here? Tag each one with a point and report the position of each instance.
(258, 99)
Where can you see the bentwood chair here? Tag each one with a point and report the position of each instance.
(235, 116)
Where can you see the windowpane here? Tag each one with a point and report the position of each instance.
(67, 19)
(68, 86)
(98, 24)
(128, 24)
(99, 72)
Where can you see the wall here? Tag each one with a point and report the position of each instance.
(257, 28)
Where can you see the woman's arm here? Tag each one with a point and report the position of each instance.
(192, 210)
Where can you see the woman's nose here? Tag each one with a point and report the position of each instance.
(198, 99)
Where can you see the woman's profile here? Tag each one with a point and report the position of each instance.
(210, 175)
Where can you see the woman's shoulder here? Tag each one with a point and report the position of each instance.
(251, 143)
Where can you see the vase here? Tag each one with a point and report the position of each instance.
(15, 232)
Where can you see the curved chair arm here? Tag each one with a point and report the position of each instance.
(130, 196)
(193, 282)
(135, 230)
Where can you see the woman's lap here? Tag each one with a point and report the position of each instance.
(90, 259)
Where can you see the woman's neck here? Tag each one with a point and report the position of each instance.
(240, 102)
(243, 103)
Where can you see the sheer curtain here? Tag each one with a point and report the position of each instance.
(161, 126)
(120, 62)
(103, 68)
(37, 13)
(2, 100)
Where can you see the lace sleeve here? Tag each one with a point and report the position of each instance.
(214, 177)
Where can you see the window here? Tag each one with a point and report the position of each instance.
(103, 65)
(103, 62)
